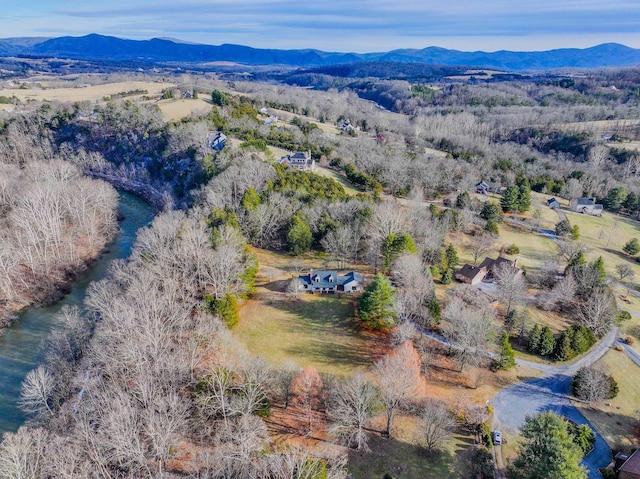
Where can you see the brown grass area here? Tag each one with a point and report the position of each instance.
(91, 93)
(312, 330)
(617, 423)
(175, 109)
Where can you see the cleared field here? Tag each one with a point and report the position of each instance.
(535, 248)
(401, 459)
(617, 423)
(183, 108)
(313, 330)
(605, 236)
(90, 93)
(549, 217)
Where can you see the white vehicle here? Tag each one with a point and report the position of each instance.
(497, 438)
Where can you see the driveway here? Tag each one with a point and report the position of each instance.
(632, 353)
(550, 393)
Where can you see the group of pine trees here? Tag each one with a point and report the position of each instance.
(572, 341)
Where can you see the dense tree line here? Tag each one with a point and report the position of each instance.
(53, 221)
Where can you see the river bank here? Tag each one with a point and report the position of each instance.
(21, 344)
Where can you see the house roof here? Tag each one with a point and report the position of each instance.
(586, 201)
(491, 263)
(329, 278)
(482, 185)
(551, 201)
(632, 465)
(470, 271)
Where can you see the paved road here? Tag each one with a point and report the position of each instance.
(633, 354)
(550, 393)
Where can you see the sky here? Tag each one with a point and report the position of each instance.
(337, 25)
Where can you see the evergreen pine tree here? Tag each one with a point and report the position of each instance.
(632, 247)
(547, 342)
(535, 336)
(376, 304)
(598, 267)
(452, 256)
(507, 356)
(525, 194)
(510, 200)
(563, 350)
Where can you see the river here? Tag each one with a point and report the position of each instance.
(20, 350)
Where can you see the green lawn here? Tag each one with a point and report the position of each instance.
(617, 423)
(315, 330)
(605, 236)
(535, 248)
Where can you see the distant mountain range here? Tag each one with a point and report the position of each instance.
(96, 47)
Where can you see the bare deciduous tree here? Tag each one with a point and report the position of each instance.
(398, 375)
(598, 310)
(436, 425)
(351, 405)
(511, 283)
(37, 388)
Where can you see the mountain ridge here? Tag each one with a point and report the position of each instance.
(96, 47)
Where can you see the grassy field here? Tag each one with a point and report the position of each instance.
(91, 93)
(175, 109)
(617, 423)
(535, 248)
(605, 236)
(402, 459)
(313, 330)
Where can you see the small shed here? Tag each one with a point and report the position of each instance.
(553, 204)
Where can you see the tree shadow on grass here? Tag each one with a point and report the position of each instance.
(329, 332)
(399, 460)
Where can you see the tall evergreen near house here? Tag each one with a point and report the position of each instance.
(376, 304)
(510, 200)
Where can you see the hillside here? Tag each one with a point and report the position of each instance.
(105, 48)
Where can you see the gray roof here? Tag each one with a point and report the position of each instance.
(329, 278)
(552, 200)
(586, 202)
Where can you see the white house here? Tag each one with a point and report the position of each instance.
(328, 281)
(586, 206)
(301, 160)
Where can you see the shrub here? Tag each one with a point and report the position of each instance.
(225, 308)
(512, 249)
(629, 339)
(632, 247)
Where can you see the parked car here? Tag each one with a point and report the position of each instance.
(497, 438)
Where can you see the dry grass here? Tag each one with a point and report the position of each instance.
(605, 236)
(175, 109)
(91, 93)
(312, 330)
(535, 249)
(617, 423)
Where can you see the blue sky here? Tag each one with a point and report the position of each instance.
(347, 25)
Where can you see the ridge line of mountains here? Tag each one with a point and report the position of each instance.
(94, 47)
